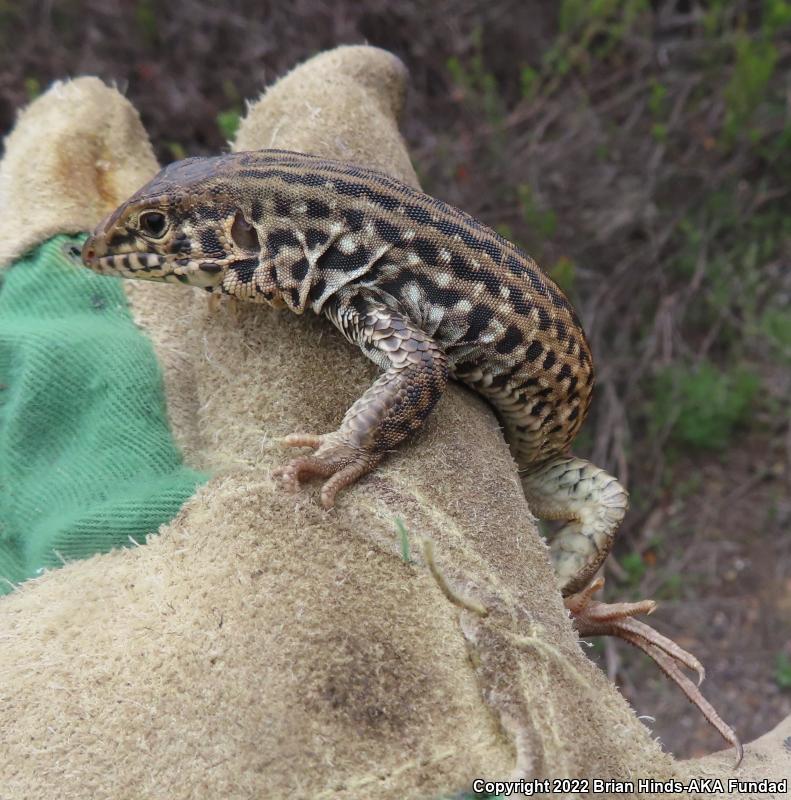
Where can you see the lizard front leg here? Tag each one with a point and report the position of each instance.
(396, 405)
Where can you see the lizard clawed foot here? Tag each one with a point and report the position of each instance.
(593, 618)
(342, 464)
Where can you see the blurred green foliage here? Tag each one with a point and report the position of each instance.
(32, 88)
(591, 30)
(776, 326)
(702, 405)
(657, 105)
(177, 151)
(755, 64)
(146, 19)
(537, 217)
(478, 83)
(783, 671)
(725, 243)
(228, 123)
(564, 272)
(672, 587)
(229, 119)
(634, 566)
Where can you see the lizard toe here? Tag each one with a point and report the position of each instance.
(300, 469)
(312, 440)
(593, 618)
(343, 465)
(340, 480)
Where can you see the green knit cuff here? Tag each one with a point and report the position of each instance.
(87, 459)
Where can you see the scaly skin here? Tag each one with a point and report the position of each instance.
(394, 270)
(426, 292)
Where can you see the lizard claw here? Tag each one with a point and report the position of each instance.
(593, 618)
(341, 464)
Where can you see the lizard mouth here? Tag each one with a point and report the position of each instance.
(156, 267)
(132, 264)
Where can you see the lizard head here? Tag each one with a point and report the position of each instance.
(185, 226)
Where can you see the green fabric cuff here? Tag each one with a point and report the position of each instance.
(87, 459)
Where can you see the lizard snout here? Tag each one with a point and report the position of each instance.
(92, 251)
(89, 252)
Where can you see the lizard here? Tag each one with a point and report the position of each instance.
(428, 293)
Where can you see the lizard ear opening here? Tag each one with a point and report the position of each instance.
(243, 233)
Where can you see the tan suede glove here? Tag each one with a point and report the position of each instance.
(260, 646)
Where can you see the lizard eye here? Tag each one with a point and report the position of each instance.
(243, 233)
(153, 223)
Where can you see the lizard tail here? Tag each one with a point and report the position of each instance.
(590, 501)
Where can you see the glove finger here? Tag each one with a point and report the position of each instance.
(75, 153)
(341, 104)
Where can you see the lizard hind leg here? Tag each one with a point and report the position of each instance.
(592, 504)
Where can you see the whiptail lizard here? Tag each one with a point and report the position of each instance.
(427, 293)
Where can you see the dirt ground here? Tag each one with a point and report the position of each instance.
(640, 150)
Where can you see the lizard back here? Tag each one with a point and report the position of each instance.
(320, 232)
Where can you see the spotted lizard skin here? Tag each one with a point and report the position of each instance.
(426, 291)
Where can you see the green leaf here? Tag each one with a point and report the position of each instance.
(406, 553)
